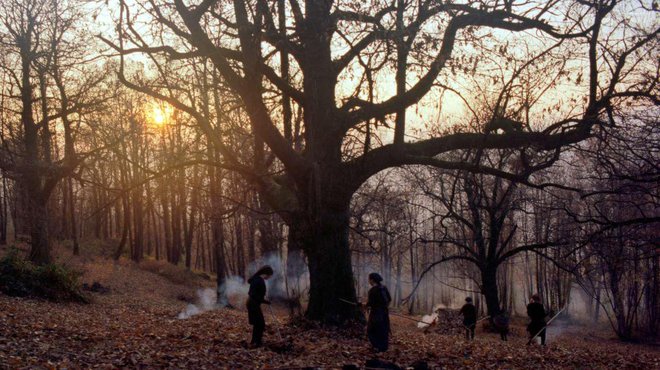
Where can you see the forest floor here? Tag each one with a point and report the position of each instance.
(136, 326)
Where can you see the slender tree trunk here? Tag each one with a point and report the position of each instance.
(413, 278)
(175, 253)
(190, 226)
(125, 229)
(238, 241)
(218, 238)
(65, 231)
(217, 229)
(138, 218)
(251, 244)
(4, 219)
(72, 217)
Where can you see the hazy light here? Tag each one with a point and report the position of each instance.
(160, 113)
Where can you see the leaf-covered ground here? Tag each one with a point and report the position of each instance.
(135, 326)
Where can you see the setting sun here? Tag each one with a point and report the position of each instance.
(160, 113)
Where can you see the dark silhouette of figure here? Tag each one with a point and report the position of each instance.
(378, 326)
(501, 324)
(537, 314)
(256, 296)
(469, 313)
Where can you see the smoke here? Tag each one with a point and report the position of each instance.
(290, 276)
(275, 286)
(557, 328)
(427, 320)
(234, 289)
(205, 302)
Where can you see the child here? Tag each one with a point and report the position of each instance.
(501, 324)
(469, 313)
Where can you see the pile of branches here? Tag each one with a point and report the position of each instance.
(446, 322)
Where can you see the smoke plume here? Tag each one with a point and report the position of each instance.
(205, 302)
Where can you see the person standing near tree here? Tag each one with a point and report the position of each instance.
(469, 312)
(378, 326)
(536, 313)
(501, 324)
(256, 296)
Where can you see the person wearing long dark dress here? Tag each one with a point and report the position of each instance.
(257, 297)
(537, 314)
(469, 313)
(378, 325)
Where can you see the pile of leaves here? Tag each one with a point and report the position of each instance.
(135, 325)
(53, 281)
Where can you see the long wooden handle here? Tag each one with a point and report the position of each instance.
(546, 325)
(277, 322)
(391, 313)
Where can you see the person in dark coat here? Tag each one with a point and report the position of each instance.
(378, 325)
(537, 314)
(469, 313)
(256, 296)
(501, 324)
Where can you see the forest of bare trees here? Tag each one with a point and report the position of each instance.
(487, 148)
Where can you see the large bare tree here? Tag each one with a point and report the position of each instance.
(49, 89)
(332, 49)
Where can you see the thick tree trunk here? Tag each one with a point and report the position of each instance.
(39, 240)
(295, 260)
(330, 271)
(265, 225)
(489, 290)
